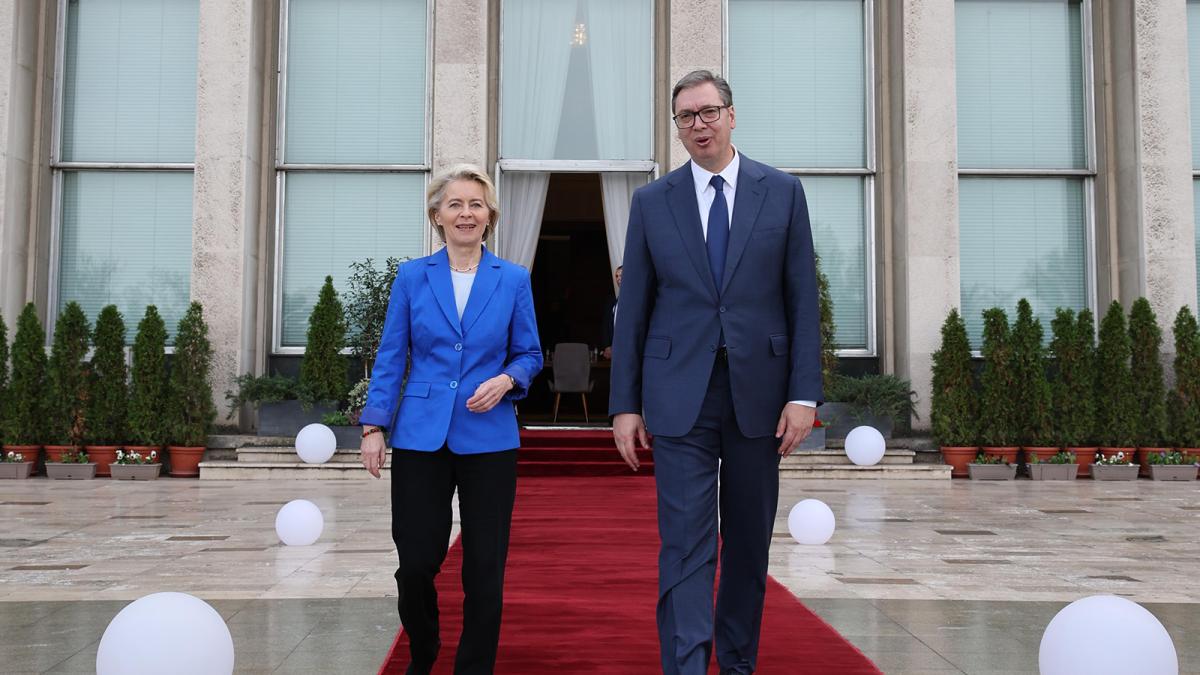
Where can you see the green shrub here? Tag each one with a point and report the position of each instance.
(885, 396)
(1034, 403)
(67, 378)
(827, 328)
(148, 382)
(190, 409)
(265, 389)
(1185, 397)
(998, 415)
(323, 369)
(109, 391)
(1116, 416)
(954, 413)
(368, 291)
(1149, 391)
(3, 373)
(1074, 386)
(24, 415)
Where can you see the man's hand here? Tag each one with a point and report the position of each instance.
(627, 427)
(795, 424)
(373, 451)
(488, 394)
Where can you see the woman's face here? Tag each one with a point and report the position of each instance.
(463, 213)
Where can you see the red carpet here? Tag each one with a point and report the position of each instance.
(575, 452)
(581, 588)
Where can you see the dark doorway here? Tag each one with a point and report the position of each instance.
(572, 290)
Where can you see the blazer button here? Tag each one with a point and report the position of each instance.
(458, 346)
(454, 384)
(722, 309)
(712, 348)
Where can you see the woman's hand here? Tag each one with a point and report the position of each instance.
(488, 394)
(373, 451)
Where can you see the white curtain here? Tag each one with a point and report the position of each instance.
(536, 53)
(622, 65)
(617, 191)
(522, 201)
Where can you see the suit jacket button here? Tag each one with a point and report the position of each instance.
(458, 346)
(712, 348)
(722, 309)
(454, 384)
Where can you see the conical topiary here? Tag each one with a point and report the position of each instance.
(1185, 397)
(107, 400)
(954, 413)
(3, 373)
(323, 369)
(190, 409)
(67, 378)
(1073, 389)
(24, 415)
(828, 328)
(998, 414)
(1116, 414)
(148, 382)
(1034, 402)
(1149, 391)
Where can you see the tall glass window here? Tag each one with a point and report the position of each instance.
(1193, 19)
(123, 160)
(800, 72)
(353, 160)
(1025, 165)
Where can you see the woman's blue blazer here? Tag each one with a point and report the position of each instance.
(450, 358)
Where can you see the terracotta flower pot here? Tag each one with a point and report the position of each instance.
(1085, 457)
(54, 453)
(1007, 453)
(102, 455)
(1143, 459)
(185, 461)
(958, 457)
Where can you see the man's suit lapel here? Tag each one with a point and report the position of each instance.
(487, 278)
(746, 204)
(437, 271)
(681, 196)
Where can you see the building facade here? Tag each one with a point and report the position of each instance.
(955, 153)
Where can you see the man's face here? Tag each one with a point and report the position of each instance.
(707, 142)
(617, 276)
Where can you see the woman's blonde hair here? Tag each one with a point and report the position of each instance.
(437, 191)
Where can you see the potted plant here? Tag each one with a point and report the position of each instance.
(991, 467)
(998, 422)
(1184, 409)
(1062, 466)
(368, 291)
(1149, 391)
(105, 412)
(880, 401)
(73, 465)
(954, 411)
(344, 423)
(1173, 465)
(323, 369)
(148, 386)
(66, 383)
(3, 373)
(283, 409)
(24, 412)
(1073, 389)
(136, 466)
(826, 325)
(1114, 467)
(1116, 407)
(14, 465)
(190, 408)
(1035, 404)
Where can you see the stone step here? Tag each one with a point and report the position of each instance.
(287, 455)
(837, 456)
(877, 472)
(245, 470)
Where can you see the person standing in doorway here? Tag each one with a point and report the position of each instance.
(609, 320)
(717, 353)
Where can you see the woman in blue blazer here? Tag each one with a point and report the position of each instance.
(461, 322)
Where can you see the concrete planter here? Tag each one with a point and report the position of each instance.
(287, 418)
(135, 471)
(1053, 471)
(992, 471)
(838, 419)
(1115, 471)
(1173, 471)
(348, 438)
(815, 440)
(17, 470)
(70, 471)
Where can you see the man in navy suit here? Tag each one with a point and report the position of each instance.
(717, 346)
(609, 320)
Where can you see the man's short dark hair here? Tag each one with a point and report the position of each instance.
(699, 77)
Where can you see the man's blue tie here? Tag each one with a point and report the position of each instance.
(718, 232)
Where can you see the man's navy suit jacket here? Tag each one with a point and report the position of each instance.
(672, 313)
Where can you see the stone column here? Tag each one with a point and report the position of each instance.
(1155, 252)
(923, 174)
(460, 83)
(229, 123)
(695, 43)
